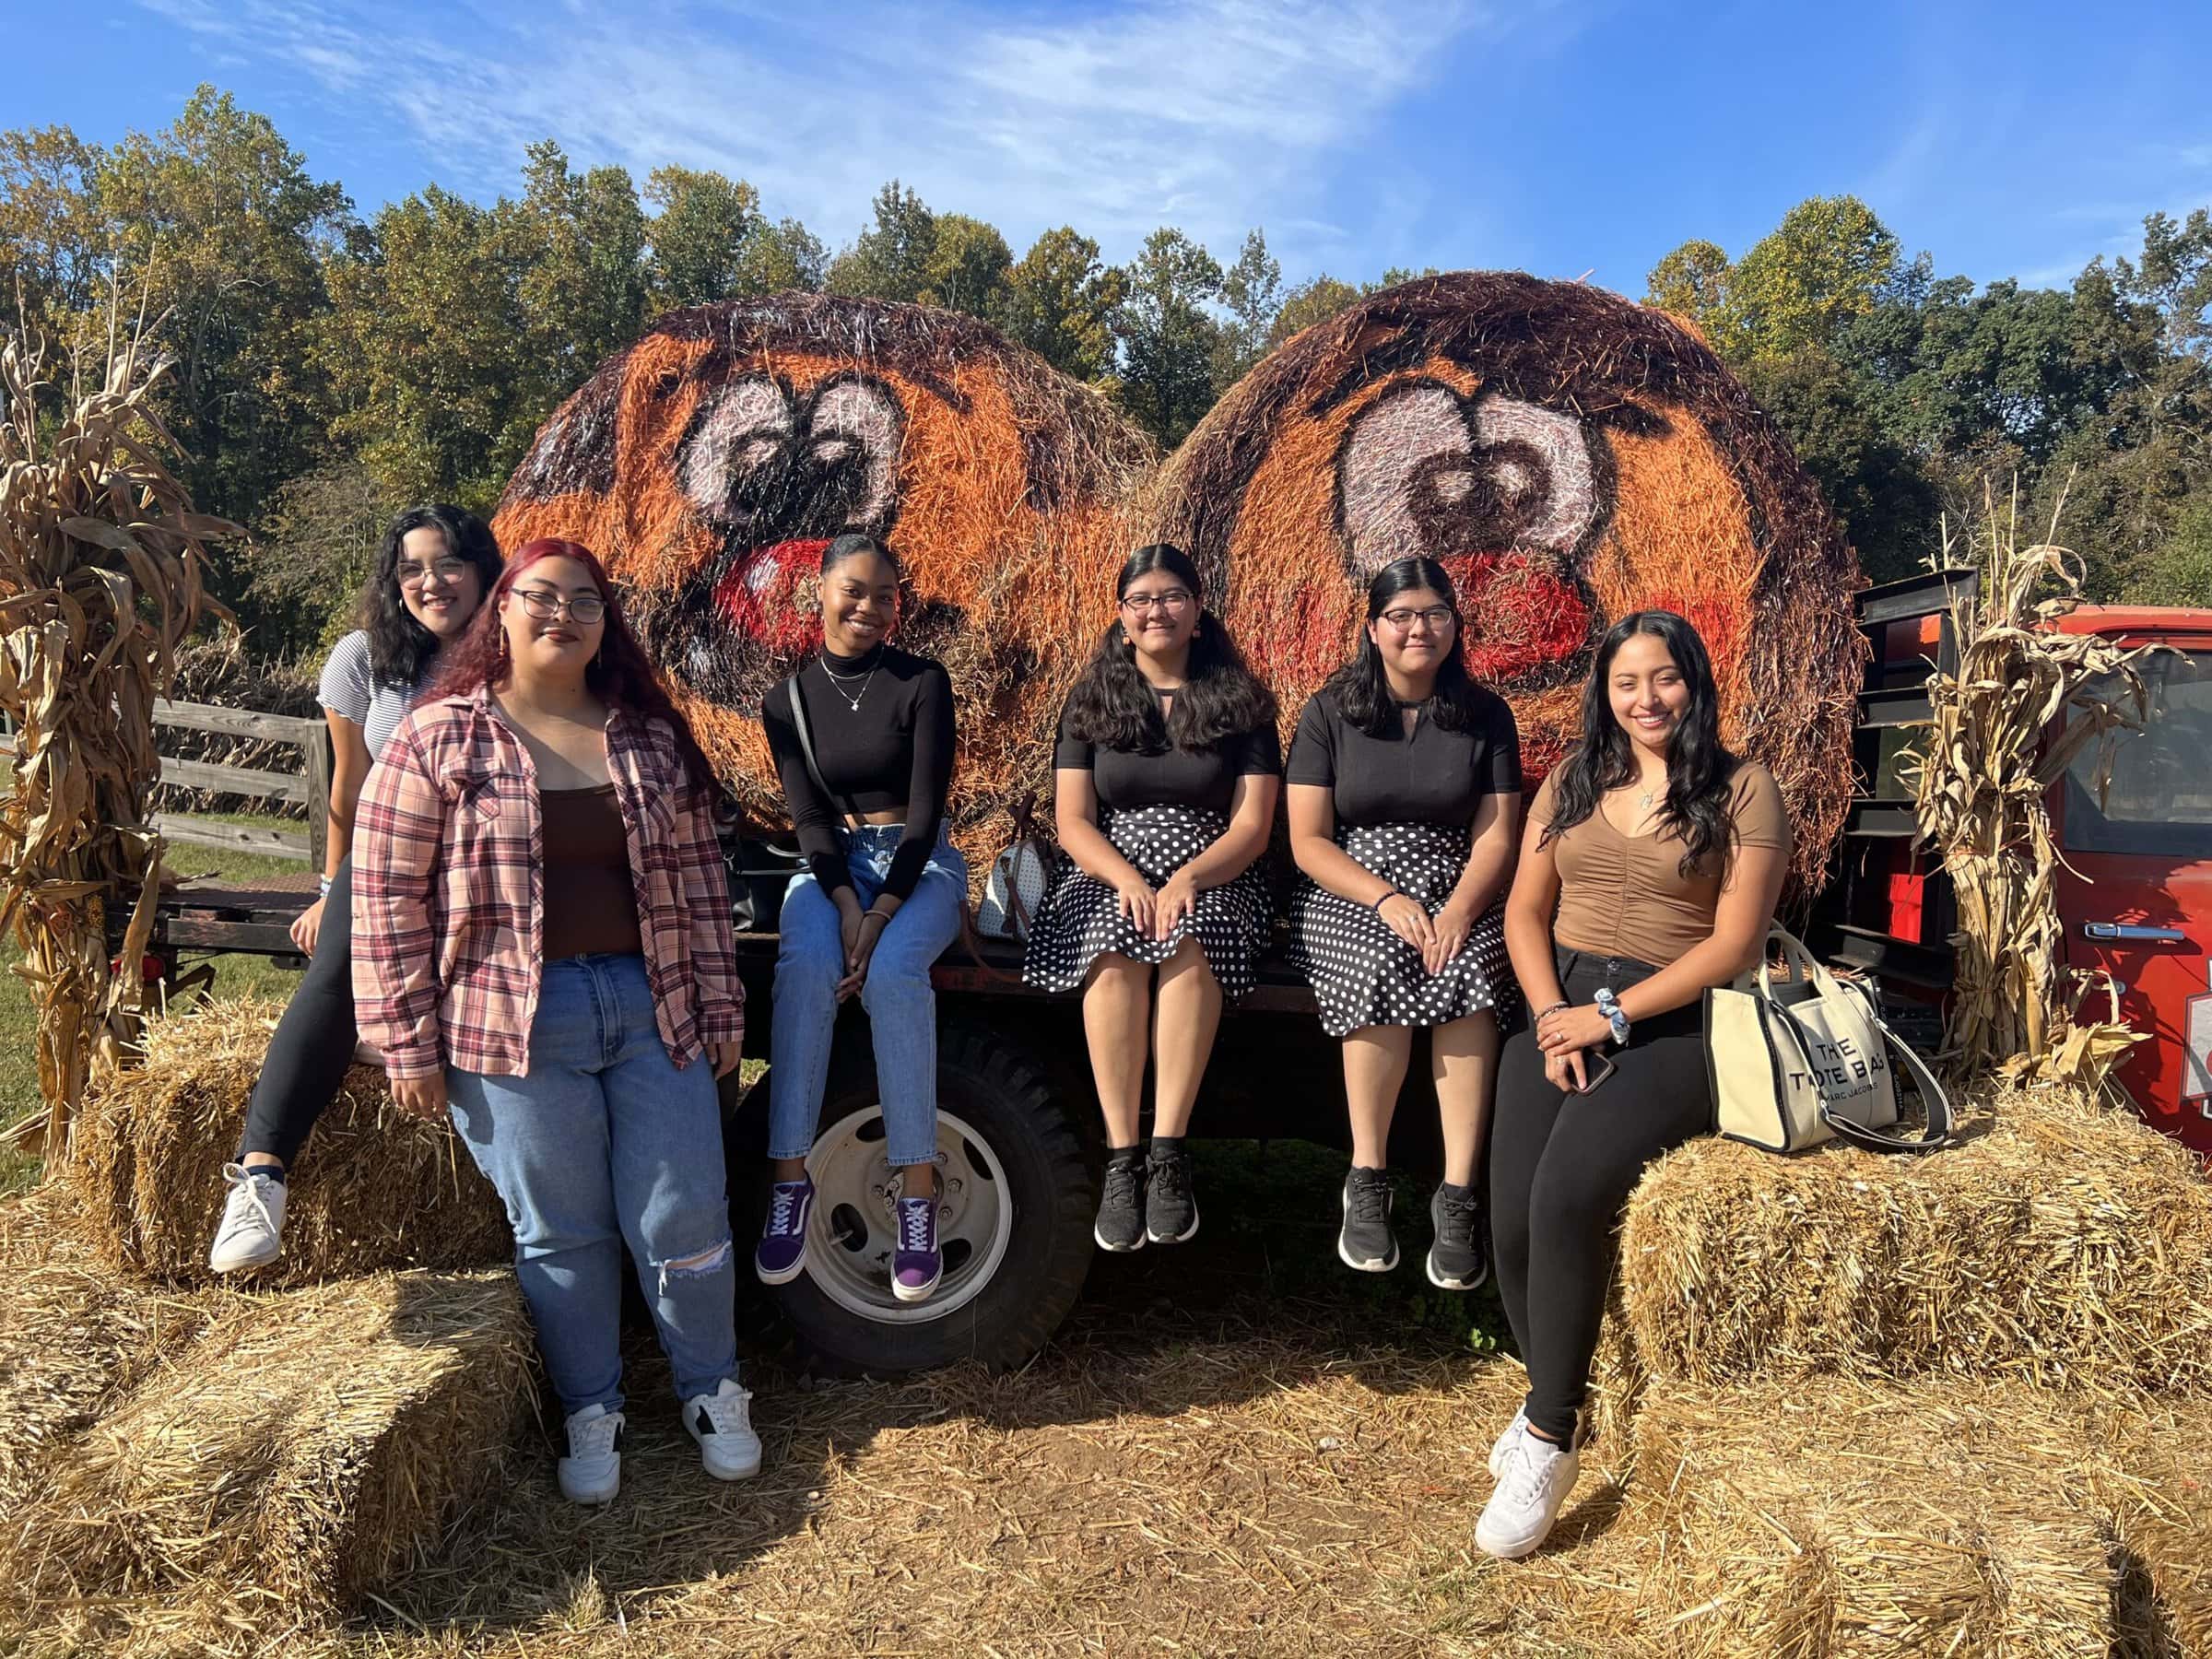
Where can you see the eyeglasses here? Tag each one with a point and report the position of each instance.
(544, 607)
(1436, 616)
(445, 570)
(1175, 601)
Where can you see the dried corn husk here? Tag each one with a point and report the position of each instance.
(102, 556)
(1981, 775)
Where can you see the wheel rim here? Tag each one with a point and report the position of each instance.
(851, 1233)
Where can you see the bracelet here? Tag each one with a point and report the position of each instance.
(322, 886)
(1548, 1013)
(882, 916)
(1378, 904)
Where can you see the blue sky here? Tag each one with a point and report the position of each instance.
(1559, 136)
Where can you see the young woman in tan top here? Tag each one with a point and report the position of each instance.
(1662, 856)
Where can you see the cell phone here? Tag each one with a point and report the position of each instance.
(1605, 1068)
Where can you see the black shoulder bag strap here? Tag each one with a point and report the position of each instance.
(814, 767)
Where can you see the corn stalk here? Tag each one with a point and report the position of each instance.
(1981, 776)
(101, 561)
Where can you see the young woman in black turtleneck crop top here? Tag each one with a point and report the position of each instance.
(880, 900)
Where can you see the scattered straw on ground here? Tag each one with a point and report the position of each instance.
(375, 1189)
(2058, 1245)
(295, 1456)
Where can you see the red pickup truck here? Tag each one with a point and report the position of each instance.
(2135, 890)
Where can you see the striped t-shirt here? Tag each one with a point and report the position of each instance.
(350, 689)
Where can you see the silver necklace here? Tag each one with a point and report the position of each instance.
(837, 682)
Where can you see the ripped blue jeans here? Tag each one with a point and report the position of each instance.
(607, 1141)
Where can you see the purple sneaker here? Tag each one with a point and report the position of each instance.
(781, 1254)
(916, 1265)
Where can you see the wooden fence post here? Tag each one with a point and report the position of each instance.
(319, 758)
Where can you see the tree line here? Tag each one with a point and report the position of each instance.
(333, 365)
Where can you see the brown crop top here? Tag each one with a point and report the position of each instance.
(1626, 896)
(591, 902)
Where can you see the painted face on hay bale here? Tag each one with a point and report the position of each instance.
(1568, 457)
(712, 463)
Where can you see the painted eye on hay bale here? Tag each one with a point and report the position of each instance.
(711, 461)
(1570, 457)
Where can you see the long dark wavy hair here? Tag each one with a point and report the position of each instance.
(1362, 688)
(399, 646)
(1113, 706)
(1698, 770)
(620, 674)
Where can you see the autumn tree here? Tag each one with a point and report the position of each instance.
(890, 259)
(217, 218)
(1168, 335)
(1252, 294)
(1061, 301)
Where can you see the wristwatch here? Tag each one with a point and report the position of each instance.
(1609, 1005)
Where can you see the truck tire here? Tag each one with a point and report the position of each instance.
(1015, 1228)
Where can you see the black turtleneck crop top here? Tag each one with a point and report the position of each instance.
(893, 751)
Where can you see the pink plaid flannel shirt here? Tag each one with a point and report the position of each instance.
(449, 892)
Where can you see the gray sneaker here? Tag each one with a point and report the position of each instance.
(1365, 1242)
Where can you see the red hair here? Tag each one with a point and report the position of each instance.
(619, 673)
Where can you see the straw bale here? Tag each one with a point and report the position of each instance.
(711, 462)
(1570, 457)
(1847, 1518)
(375, 1190)
(2152, 1475)
(2059, 1244)
(295, 1456)
(72, 1334)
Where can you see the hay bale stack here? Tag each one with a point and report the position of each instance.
(294, 1457)
(376, 1189)
(1848, 1519)
(711, 462)
(2154, 1481)
(2059, 1245)
(1570, 457)
(73, 1336)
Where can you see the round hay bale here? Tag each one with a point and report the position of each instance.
(2058, 1245)
(1570, 457)
(711, 461)
(377, 1189)
(300, 1452)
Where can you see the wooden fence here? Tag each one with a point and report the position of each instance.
(309, 785)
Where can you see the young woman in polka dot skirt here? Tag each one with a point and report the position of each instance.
(1404, 789)
(1168, 772)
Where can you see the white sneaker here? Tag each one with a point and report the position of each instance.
(1532, 1488)
(253, 1221)
(592, 1472)
(1497, 1451)
(722, 1424)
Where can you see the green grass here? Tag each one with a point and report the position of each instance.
(234, 976)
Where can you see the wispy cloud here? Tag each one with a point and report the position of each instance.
(1214, 114)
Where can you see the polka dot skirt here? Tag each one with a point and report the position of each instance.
(1362, 973)
(1081, 916)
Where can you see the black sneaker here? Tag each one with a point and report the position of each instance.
(1170, 1211)
(1456, 1261)
(1121, 1223)
(1365, 1243)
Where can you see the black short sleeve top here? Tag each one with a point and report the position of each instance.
(1427, 776)
(1204, 779)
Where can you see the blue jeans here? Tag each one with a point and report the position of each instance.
(607, 1140)
(903, 1008)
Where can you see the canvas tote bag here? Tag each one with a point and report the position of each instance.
(1019, 877)
(1797, 1062)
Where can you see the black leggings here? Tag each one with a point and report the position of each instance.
(314, 1040)
(1562, 1166)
